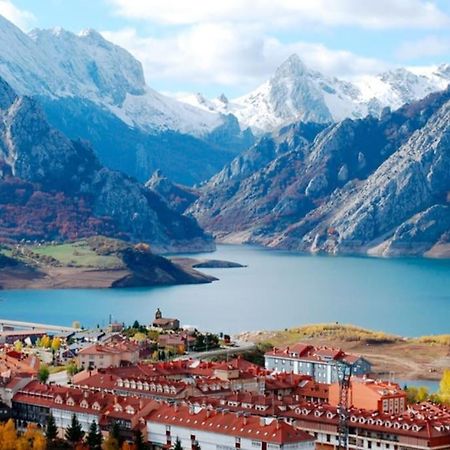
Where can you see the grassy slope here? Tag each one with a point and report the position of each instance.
(410, 358)
(78, 254)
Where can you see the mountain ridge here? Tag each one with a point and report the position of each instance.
(348, 190)
(98, 93)
(54, 188)
(296, 92)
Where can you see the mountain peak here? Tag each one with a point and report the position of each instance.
(92, 34)
(293, 66)
(223, 98)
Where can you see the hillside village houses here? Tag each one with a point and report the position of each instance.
(222, 405)
(108, 354)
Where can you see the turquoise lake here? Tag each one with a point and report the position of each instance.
(408, 296)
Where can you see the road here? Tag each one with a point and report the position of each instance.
(34, 326)
(240, 348)
(60, 378)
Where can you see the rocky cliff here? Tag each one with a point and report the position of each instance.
(368, 185)
(54, 188)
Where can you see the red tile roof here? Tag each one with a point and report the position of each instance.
(251, 427)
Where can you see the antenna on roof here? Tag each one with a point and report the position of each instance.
(344, 372)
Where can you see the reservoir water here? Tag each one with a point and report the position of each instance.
(408, 296)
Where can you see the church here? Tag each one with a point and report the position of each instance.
(165, 323)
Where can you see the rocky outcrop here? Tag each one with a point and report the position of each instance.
(349, 190)
(420, 233)
(62, 188)
(147, 269)
(177, 196)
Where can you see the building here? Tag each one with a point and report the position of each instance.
(27, 336)
(373, 395)
(5, 412)
(11, 366)
(164, 322)
(214, 430)
(111, 354)
(176, 342)
(321, 363)
(420, 427)
(36, 401)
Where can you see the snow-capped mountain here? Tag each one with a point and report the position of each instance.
(296, 92)
(58, 63)
(92, 89)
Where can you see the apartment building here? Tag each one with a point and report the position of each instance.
(321, 363)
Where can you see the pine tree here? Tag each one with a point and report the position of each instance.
(115, 432)
(139, 440)
(51, 432)
(94, 438)
(74, 434)
(177, 445)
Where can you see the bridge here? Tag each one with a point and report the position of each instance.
(35, 326)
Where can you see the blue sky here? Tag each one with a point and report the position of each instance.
(231, 47)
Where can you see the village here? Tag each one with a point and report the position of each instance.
(163, 386)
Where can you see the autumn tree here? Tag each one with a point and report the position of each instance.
(8, 436)
(74, 433)
(417, 394)
(111, 443)
(46, 342)
(32, 439)
(18, 346)
(444, 387)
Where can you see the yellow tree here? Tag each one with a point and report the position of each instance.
(110, 444)
(18, 346)
(444, 387)
(56, 344)
(8, 436)
(32, 439)
(45, 341)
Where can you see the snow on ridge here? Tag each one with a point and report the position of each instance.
(298, 93)
(96, 70)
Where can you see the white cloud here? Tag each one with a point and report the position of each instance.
(235, 43)
(377, 14)
(223, 54)
(428, 46)
(22, 18)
